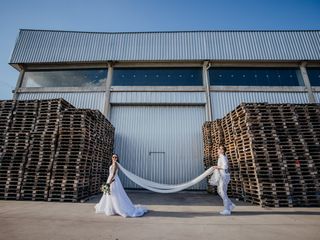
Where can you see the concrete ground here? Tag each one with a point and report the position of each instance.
(186, 215)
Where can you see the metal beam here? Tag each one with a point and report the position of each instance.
(18, 85)
(257, 89)
(107, 106)
(157, 88)
(60, 89)
(307, 82)
(206, 83)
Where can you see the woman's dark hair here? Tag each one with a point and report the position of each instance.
(117, 157)
(223, 147)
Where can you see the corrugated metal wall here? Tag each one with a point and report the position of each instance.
(158, 97)
(92, 100)
(317, 97)
(43, 46)
(160, 143)
(224, 102)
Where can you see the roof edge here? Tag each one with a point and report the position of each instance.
(179, 31)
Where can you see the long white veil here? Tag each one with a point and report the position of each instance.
(164, 188)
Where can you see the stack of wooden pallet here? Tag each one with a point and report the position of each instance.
(212, 137)
(42, 147)
(83, 154)
(274, 153)
(52, 151)
(15, 148)
(103, 146)
(208, 144)
(6, 165)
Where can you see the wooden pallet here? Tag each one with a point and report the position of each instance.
(273, 152)
(51, 151)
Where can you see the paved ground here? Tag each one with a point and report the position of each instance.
(184, 215)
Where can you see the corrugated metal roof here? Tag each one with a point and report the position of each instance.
(44, 46)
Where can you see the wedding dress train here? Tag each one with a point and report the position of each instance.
(118, 201)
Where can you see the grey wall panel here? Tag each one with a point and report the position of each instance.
(45, 46)
(158, 97)
(160, 143)
(91, 100)
(317, 96)
(224, 102)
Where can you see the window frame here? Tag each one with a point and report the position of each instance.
(313, 67)
(247, 67)
(198, 68)
(82, 68)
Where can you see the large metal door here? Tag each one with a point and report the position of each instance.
(160, 143)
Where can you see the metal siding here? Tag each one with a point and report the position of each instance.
(317, 96)
(224, 102)
(169, 136)
(42, 46)
(158, 97)
(91, 100)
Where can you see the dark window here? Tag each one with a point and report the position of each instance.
(256, 76)
(314, 76)
(157, 77)
(65, 78)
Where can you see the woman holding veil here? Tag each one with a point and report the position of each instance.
(223, 180)
(117, 202)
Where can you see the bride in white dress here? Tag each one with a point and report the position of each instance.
(118, 202)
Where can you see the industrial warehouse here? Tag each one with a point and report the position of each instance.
(158, 89)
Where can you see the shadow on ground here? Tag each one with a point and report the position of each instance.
(193, 198)
(185, 198)
(235, 213)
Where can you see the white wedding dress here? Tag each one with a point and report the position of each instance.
(118, 202)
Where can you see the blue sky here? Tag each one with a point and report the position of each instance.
(146, 15)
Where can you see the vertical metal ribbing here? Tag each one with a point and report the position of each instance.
(147, 135)
(40, 46)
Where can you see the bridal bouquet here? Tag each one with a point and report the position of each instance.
(105, 188)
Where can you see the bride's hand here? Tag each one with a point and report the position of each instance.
(111, 181)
